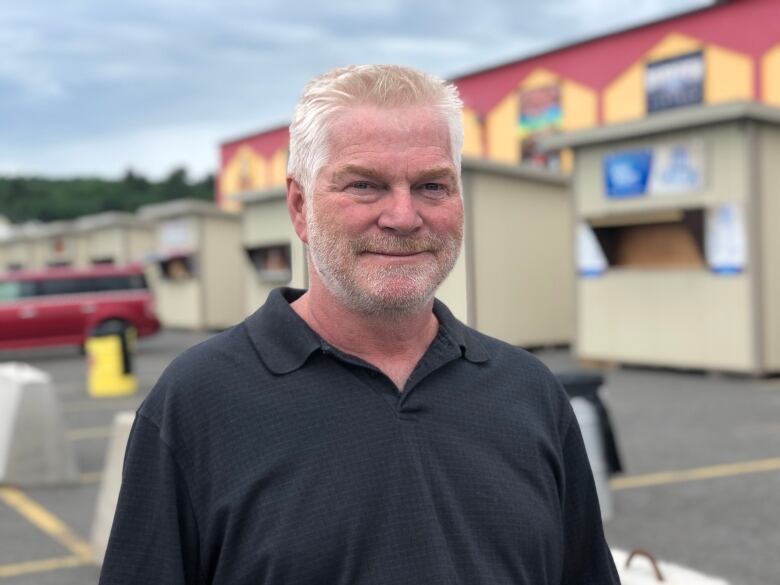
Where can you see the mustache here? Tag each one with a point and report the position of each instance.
(393, 244)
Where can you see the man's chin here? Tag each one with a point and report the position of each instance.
(398, 300)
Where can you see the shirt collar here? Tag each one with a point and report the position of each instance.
(284, 341)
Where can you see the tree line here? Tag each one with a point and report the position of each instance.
(37, 198)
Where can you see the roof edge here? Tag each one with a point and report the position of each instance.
(679, 119)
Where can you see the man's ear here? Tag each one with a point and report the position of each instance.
(296, 207)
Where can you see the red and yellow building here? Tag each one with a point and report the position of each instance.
(727, 52)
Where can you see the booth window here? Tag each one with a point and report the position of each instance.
(272, 263)
(103, 261)
(15, 266)
(178, 268)
(669, 242)
(59, 264)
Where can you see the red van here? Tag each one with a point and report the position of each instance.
(60, 306)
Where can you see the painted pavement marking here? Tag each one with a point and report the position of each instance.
(695, 474)
(43, 566)
(46, 522)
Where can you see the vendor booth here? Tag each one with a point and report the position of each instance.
(513, 279)
(58, 245)
(273, 254)
(676, 243)
(17, 253)
(197, 264)
(115, 238)
(514, 276)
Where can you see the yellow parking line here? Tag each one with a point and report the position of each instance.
(46, 522)
(696, 474)
(88, 433)
(42, 566)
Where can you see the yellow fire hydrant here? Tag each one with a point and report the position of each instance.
(109, 350)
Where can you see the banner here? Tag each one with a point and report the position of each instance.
(626, 173)
(668, 169)
(540, 115)
(726, 243)
(591, 261)
(674, 82)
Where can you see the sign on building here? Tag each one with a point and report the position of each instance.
(674, 82)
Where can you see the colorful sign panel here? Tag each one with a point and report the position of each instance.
(726, 241)
(678, 168)
(540, 114)
(591, 261)
(664, 170)
(675, 82)
(177, 235)
(626, 173)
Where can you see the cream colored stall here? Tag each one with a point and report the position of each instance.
(19, 253)
(513, 280)
(677, 243)
(116, 238)
(60, 244)
(198, 264)
(273, 254)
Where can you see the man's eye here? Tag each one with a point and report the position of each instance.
(361, 185)
(433, 187)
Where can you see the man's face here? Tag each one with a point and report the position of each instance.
(385, 220)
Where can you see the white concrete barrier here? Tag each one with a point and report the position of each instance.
(588, 420)
(110, 484)
(33, 448)
(645, 570)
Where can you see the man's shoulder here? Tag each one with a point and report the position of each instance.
(198, 374)
(502, 354)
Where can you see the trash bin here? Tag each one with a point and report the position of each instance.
(597, 432)
(110, 360)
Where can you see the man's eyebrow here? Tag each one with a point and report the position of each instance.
(436, 173)
(355, 170)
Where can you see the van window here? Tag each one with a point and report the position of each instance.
(62, 286)
(66, 286)
(12, 291)
(9, 291)
(129, 282)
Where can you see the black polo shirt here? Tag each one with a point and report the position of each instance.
(264, 456)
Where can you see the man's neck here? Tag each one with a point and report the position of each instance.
(393, 343)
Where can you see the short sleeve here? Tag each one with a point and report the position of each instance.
(154, 535)
(587, 559)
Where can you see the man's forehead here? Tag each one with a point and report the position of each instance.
(406, 119)
(420, 172)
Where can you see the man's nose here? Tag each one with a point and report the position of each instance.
(399, 212)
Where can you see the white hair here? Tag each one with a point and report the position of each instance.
(383, 86)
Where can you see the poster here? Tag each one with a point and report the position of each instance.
(672, 83)
(626, 173)
(591, 260)
(726, 241)
(664, 170)
(540, 115)
(677, 168)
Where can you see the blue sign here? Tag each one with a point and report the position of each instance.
(626, 173)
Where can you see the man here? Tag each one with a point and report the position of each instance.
(357, 433)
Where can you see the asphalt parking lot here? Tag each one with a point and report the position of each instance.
(701, 488)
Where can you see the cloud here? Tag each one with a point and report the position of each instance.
(153, 151)
(91, 87)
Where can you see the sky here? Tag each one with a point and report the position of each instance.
(95, 88)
